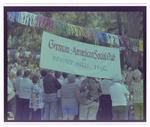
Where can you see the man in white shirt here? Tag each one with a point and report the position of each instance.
(119, 103)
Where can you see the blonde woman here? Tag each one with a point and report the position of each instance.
(12, 78)
(137, 89)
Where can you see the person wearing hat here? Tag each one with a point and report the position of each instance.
(119, 103)
(137, 89)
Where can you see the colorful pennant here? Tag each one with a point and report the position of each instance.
(33, 20)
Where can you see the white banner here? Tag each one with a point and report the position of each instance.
(65, 55)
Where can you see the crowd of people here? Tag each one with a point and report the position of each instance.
(44, 94)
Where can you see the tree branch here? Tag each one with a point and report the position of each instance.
(141, 22)
(110, 29)
(140, 33)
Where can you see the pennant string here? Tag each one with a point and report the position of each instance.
(38, 21)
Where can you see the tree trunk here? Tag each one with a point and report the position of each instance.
(132, 27)
(119, 23)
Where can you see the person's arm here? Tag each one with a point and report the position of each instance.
(99, 89)
(13, 83)
(78, 93)
(126, 92)
(34, 101)
(58, 85)
(10, 95)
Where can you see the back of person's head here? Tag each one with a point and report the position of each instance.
(116, 78)
(27, 73)
(136, 73)
(57, 74)
(71, 78)
(50, 71)
(43, 73)
(19, 72)
(90, 77)
(129, 69)
(15, 64)
(35, 78)
(78, 76)
(64, 74)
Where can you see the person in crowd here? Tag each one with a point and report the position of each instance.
(10, 93)
(8, 81)
(124, 72)
(105, 100)
(78, 81)
(10, 66)
(9, 84)
(141, 70)
(15, 67)
(129, 76)
(64, 74)
(43, 74)
(17, 86)
(19, 66)
(24, 96)
(35, 66)
(12, 77)
(119, 103)
(22, 69)
(123, 76)
(51, 85)
(132, 114)
(58, 76)
(36, 71)
(70, 96)
(37, 99)
(137, 89)
(126, 86)
(90, 90)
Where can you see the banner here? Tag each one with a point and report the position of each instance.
(65, 55)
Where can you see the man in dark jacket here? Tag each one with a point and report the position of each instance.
(51, 85)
